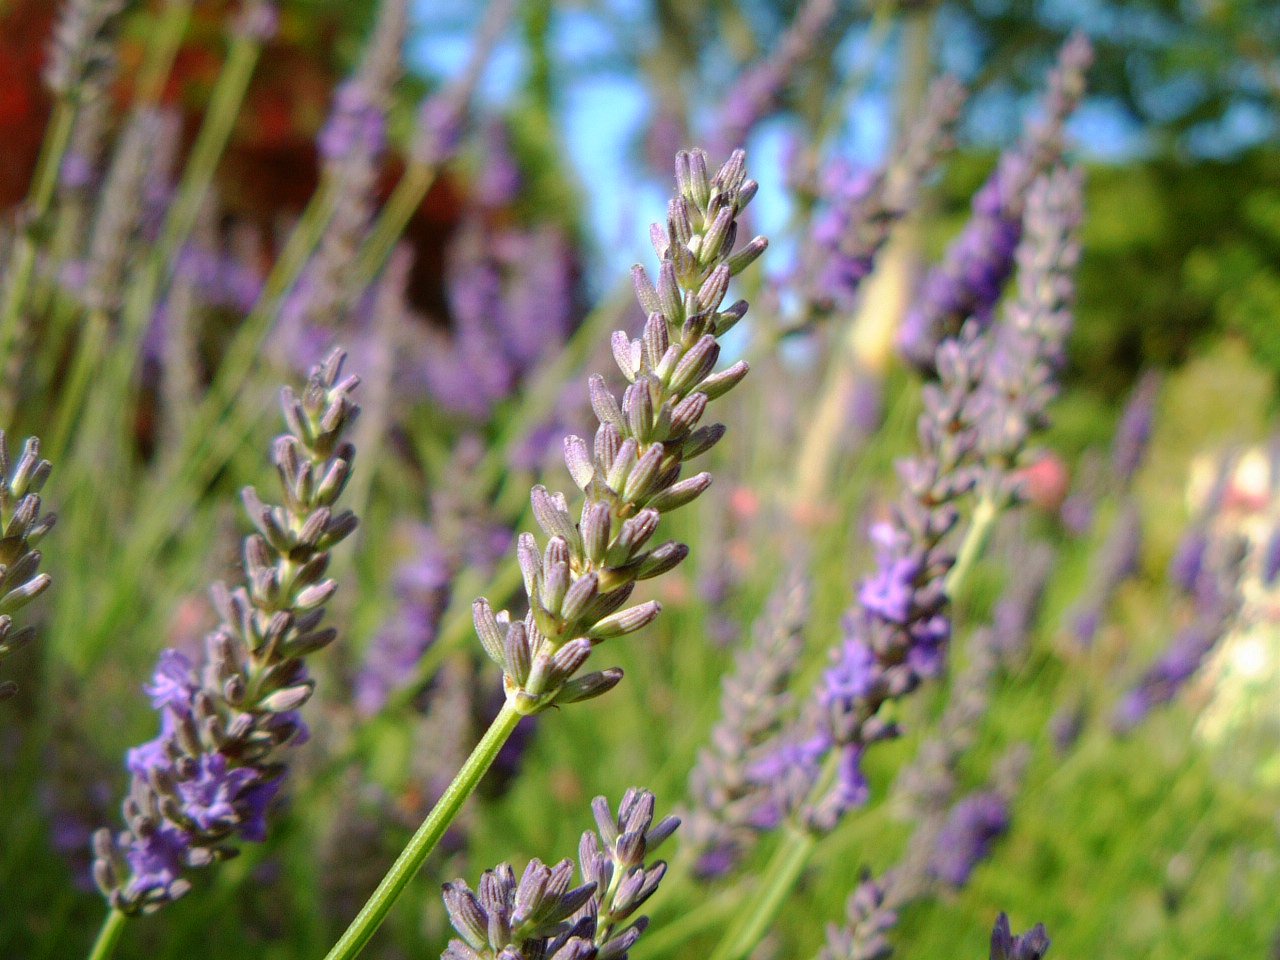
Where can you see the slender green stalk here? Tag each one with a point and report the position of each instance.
(162, 48)
(211, 142)
(108, 936)
(974, 543)
(87, 357)
(781, 874)
(395, 216)
(411, 859)
(23, 264)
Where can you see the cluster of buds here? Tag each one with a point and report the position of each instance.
(21, 528)
(210, 775)
(578, 584)
(542, 917)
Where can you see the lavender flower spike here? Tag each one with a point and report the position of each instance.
(969, 281)
(861, 208)
(578, 585)
(542, 918)
(1032, 945)
(209, 777)
(22, 527)
(726, 812)
(756, 91)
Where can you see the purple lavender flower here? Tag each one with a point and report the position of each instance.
(542, 918)
(1117, 561)
(869, 918)
(423, 586)
(976, 267)
(729, 806)
(442, 116)
(755, 93)
(356, 122)
(993, 393)
(972, 828)
(578, 584)
(23, 528)
(1028, 348)
(860, 207)
(357, 126)
(511, 299)
(1032, 945)
(209, 777)
(1133, 433)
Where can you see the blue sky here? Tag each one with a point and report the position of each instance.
(602, 116)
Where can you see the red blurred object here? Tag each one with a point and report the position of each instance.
(25, 26)
(270, 169)
(1046, 481)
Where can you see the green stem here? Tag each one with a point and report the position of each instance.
(974, 543)
(781, 874)
(23, 265)
(87, 357)
(411, 859)
(108, 936)
(162, 48)
(395, 216)
(211, 141)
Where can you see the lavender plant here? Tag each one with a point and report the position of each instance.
(22, 528)
(577, 587)
(210, 776)
(972, 276)
(542, 917)
(729, 805)
(991, 396)
(861, 207)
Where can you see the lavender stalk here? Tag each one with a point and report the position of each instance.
(973, 273)
(541, 918)
(23, 527)
(208, 779)
(993, 393)
(578, 585)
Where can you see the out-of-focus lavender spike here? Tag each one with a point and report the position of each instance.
(209, 777)
(142, 167)
(969, 281)
(1015, 611)
(1133, 433)
(755, 93)
(726, 809)
(512, 299)
(993, 394)
(423, 585)
(1116, 562)
(929, 783)
(1028, 349)
(896, 635)
(869, 918)
(442, 116)
(1217, 604)
(972, 827)
(861, 207)
(357, 123)
(257, 20)
(81, 56)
